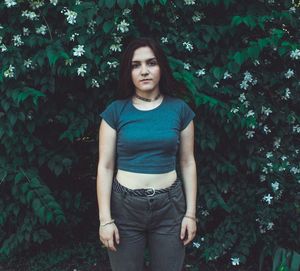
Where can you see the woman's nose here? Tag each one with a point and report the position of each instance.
(144, 69)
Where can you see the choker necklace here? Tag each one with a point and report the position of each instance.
(146, 99)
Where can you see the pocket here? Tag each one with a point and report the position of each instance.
(178, 202)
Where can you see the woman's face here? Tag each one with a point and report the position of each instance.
(145, 66)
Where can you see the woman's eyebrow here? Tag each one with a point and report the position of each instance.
(133, 61)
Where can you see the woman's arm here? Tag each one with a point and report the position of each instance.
(189, 175)
(105, 171)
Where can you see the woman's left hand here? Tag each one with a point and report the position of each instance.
(188, 230)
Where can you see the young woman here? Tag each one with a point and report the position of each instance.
(141, 135)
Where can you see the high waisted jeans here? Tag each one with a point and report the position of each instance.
(154, 221)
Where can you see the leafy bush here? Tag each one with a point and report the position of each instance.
(240, 62)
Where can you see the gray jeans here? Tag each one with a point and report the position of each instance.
(152, 221)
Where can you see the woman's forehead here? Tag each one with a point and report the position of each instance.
(143, 54)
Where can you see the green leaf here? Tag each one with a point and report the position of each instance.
(122, 3)
(107, 27)
(110, 3)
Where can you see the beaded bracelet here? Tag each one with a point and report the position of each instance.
(191, 217)
(107, 223)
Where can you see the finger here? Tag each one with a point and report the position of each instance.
(117, 236)
(111, 245)
(182, 232)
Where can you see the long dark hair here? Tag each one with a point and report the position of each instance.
(167, 85)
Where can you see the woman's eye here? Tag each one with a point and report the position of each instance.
(152, 63)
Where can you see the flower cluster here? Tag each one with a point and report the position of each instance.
(10, 3)
(82, 70)
(123, 26)
(41, 30)
(189, 2)
(200, 72)
(248, 78)
(295, 54)
(188, 46)
(10, 72)
(71, 15)
(31, 15)
(78, 51)
(198, 16)
(289, 73)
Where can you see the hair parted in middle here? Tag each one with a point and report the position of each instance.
(167, 85)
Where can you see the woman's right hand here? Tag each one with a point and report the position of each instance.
(108, 234)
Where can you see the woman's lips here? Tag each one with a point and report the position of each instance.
(145, 81)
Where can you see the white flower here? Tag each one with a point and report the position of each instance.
(189, 2)
(17, 40)
(234, 110)
(10, 71)
(289, 73)
(296, 128)
(200, 72)
(270, 226)
(78, 51)
(295, 54)
(262, 178)
(265, 170)
(41, 30)
(26, 31)
(250, 134)
(250, 113)
(216, 85)
(69, 62)
(266, 110)
(198, 16)
(117, 39)
(31, 15)
(10, 3)
(78, 2)
(54, 2)
(287, 94)
(82, 70)
(27, 63)
(204, 213)
(244, 85)
(123, 26)
(276, 143)
(266, 129)
(295, 170)
(187, 66)
(275, 186)
(188, 46)
(126, 11)
(256, 62)
(95, 83)
(292, 10)
(71, 15)
(164, 39)
(116, 47)
(269, 154)
(235, 261)
(72, 38)
(248, 76)
(242, 97)
(267, 198)
(196, 244)
(36, 4)
(113, 64)
(3, 48)
(227, 75)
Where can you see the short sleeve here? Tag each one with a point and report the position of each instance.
(110, 115)
(187, 114)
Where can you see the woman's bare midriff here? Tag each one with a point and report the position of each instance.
(135, 180)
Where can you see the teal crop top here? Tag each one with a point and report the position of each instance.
(148, 140)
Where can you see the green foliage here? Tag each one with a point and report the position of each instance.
(239, 61)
